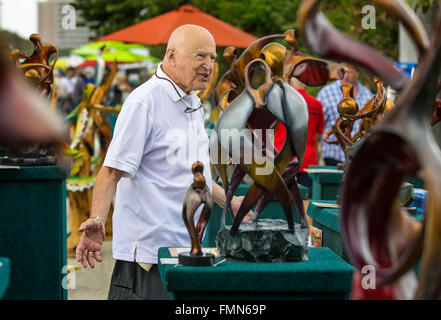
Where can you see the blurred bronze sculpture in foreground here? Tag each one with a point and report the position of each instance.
(376, 231)
(198, 193)
(253, 97)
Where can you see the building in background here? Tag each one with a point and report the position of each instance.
(50, 28)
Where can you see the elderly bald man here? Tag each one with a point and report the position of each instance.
(158, 135)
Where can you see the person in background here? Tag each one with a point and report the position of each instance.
(330, 95)
(61, 90)
(75, 85)
(315, 129)
(125, 88)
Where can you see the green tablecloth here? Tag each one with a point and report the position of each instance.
(33, 231)
(324, 276)
(273, 210)
(5, 273)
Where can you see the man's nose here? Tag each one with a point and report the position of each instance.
(208, 64)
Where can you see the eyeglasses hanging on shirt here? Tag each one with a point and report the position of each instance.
(187, 108)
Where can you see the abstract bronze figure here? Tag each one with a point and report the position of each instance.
(374, 109)
(376, 231)
(198, 193)
(283, 65)
(254, 95)
(37, 67)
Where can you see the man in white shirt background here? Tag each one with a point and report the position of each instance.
(158, 135)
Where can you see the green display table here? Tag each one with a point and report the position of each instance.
(5, 272)
(273, 210)
(33, 231)
(324, 276)
(325, 182)
(328, 220)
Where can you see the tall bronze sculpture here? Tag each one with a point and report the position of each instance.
(254, 95)
(375, 229)
(197, 194)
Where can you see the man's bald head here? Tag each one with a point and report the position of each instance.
(188, 35)
(189, 58)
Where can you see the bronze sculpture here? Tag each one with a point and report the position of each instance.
(198, 193)
(254, 95)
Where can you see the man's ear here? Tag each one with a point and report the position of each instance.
(171, 55)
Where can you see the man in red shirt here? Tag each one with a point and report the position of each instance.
(315, 129)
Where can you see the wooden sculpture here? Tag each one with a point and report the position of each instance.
(375, 230)
(90, 136)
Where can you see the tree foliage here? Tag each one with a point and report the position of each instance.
(258, 17)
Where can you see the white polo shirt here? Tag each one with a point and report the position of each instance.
(155, 143)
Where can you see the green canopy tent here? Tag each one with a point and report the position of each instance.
(115, 50)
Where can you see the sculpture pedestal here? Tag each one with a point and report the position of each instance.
(269, 240)
(188, 259)
(5, 272)
(326, 182)
(33, 231)
(21, 161)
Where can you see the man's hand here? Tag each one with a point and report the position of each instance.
(90, 243)
(235, 205)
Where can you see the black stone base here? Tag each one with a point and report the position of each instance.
(19, 161)
(268, 240)
(188, 259)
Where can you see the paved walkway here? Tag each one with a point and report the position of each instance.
(93, 284)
